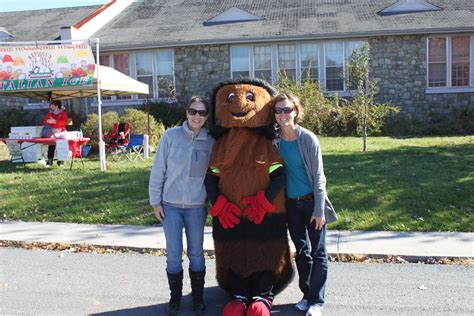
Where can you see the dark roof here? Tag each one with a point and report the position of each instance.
(40, 25)
(162, 23)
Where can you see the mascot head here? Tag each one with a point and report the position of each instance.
(242, 103)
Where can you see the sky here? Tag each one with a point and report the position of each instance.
(22, 5)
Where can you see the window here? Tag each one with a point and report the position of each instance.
(437, 62)
(334, 52)
(287, 61)
(165, 73)
(121, 62)
(240, 64)
(263, 62)
(323, 62)
(153, 67)
(450, 61)
(309, 62)
(460, 61)
(144, 67)
(105, 61)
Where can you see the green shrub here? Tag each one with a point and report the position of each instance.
(9, 118)
(331, 115)
(459, 121)
(138, 121)
(171, 114)
(315, 105)
(90, 128)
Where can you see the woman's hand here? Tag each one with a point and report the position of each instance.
(318, 222)
(159, 213)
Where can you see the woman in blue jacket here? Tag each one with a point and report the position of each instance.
(178, 197)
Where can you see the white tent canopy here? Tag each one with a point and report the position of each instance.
(112, 82)
(60, 70)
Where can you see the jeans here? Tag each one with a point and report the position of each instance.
(193, 220)
(51, 149)
(311, 255)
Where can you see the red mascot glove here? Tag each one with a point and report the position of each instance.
(258, 206)
(226, 211)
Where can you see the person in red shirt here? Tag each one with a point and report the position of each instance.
(57, 119)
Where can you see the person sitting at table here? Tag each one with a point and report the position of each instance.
(57, 119)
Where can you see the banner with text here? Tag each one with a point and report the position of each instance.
(45, 66)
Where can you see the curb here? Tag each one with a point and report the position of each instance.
(209, 253)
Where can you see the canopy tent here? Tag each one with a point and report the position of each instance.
(112, 82)
(60, 72)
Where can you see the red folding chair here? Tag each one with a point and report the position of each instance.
(119, 137)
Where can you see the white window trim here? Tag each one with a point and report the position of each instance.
(321, 63)
(113, 99)
(344, 61)
(156, 97)
(299, 59)
(449, 88)
(135, 100)
(250, 56)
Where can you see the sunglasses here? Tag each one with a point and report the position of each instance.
(286, 110)
(192, 112)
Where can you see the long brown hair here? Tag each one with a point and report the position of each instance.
(293, 100)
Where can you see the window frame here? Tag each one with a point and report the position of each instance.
(321, 62)
(449, 88)
(114, 101)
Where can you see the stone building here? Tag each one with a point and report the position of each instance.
(422, 52)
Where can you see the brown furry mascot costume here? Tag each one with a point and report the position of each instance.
(245, 187)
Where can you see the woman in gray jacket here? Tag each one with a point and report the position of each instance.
(307, 206)
(178, 197)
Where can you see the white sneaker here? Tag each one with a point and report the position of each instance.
(302, 305)
(314, 310)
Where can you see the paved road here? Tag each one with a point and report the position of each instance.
(58, 283)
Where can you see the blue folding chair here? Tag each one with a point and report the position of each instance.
(135, 149)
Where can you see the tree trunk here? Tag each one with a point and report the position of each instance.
(364, 126)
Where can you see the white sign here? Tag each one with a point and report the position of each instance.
(62, 150)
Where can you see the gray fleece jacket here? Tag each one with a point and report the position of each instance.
(181, 162)
(310, 151)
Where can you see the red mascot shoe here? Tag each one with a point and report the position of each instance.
(235, 308)
(261, 306)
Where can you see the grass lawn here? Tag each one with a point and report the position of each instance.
(416, 184)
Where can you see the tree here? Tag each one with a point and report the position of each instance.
(363, 90)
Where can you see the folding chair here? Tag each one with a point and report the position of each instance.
(76, 150)
(119, 137)
(15, 151)
(135, 149)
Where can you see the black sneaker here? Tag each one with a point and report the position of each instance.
(60, 163)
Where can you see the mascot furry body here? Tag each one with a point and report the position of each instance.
(245, 187)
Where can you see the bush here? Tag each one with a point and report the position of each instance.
(460, 121)
(90, 128)
(138, 121)
(316, 106)
(170, 114)
(331, 115)
(9, 118)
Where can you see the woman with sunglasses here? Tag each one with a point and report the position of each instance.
(307, 206)
(178, 197)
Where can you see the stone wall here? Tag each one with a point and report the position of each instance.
(399, 64)
(199, 68)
